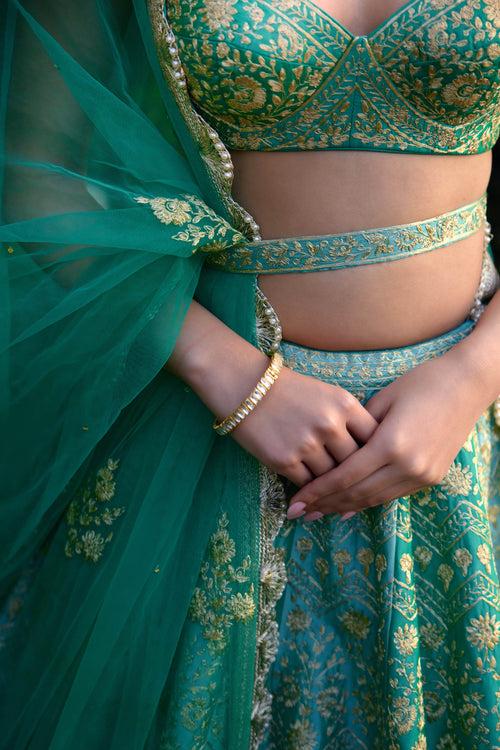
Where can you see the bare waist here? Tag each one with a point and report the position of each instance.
(316, 193)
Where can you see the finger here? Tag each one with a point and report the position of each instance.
(394, 492)
(357, 466)
(299, 474)
(313, 516)
(361, 424)
(359, 494)
(319, 461)
(341, 446)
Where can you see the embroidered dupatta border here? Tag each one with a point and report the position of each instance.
(272, 500)
(272, 509)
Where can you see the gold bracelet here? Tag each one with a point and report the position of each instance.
(228, 424)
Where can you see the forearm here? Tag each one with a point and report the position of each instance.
(219, 365)
(477, 357)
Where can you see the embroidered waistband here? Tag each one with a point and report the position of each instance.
(368, 368)
(357, 248)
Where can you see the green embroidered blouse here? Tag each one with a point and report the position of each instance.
(286, 75)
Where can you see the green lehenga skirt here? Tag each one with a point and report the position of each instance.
(388, 627)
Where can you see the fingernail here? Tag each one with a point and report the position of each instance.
(295, 511)
(345, 516)
(313, 516)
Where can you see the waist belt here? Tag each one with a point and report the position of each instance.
(358, 248)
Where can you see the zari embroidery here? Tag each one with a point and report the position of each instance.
(352, 248)
(389, 632)
(214, 604)
(287, 76)
(198, 221)
(223, 599)
(91, 510)
(273, 504)
(214, 152)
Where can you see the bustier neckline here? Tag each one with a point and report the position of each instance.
(282, 75)
(371, 34)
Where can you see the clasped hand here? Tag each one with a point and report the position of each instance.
(346, 457)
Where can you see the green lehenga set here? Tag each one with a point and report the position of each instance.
(155, 595)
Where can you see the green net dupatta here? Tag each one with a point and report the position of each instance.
(113, 486)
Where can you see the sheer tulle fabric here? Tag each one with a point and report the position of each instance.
(106, 216)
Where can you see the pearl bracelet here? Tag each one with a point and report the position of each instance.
(228, 424)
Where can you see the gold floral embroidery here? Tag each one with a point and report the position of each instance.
(248, 94)
(224, 601)
(445, 573)
(463, 90)
(354, 249)
(356, 623)
(91, 511)
(281, 76)
(484, 555)
(484, 632)
(218, 13)
(406, 563)
(214, 155)
(198, 220)
(463, 559)
(423, 556)
(215, 605)
(452, 49)
(405, 714)
(298, 620)
(380, 564)
(406, 639)
(301, 736)
(341, 558)
(366, 557)
(458, 480)
(432, 635)
(492, 10)
(273, 504)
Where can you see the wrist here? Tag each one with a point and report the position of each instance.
(218, 364)
(224, 372)
(475, 371)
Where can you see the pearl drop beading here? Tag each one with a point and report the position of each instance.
(175, 60)
(496, 411)
(489, 278)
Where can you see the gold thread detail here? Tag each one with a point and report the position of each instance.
(198, 221)
(272, 504)
(213, 151)
(355, 248)
(91, 511)
(214, 604)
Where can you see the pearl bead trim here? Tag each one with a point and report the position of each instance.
(226, 169)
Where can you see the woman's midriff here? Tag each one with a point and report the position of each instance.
(386, 304)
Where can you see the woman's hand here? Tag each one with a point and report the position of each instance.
(424, 416)
(304, 426)
(300, 429)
